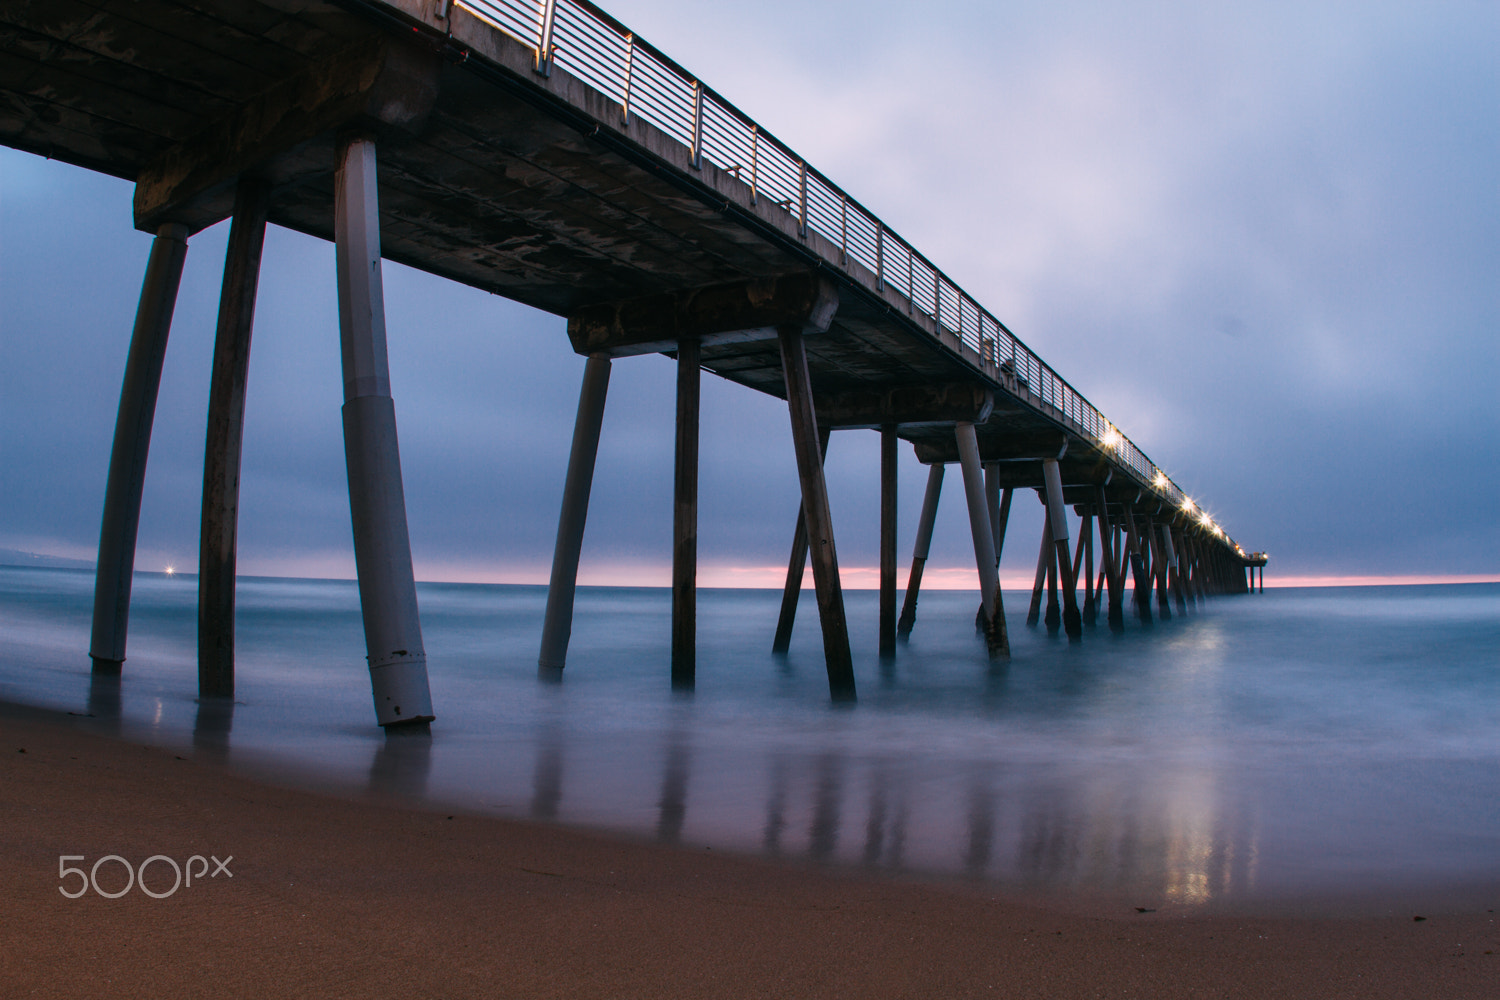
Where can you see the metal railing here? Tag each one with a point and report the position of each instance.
(589, 44)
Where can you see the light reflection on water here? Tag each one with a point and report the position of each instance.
(1270, 748)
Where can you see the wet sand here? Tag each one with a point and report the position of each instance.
(333, 897)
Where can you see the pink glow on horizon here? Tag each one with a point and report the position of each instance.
(773, 577)
(339, 565)
(1393, 580)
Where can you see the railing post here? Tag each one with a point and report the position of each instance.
(629, 74)
(879, 256)
(544, 38)
(754, 164)
(802, 199)
(697, 160)
(844, 230)
(911, 301)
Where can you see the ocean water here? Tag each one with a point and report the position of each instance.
(1333, 750)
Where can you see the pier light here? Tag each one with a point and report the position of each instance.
(1188, 506)
(1205, 520)
(1111, 438)
(1160, 481)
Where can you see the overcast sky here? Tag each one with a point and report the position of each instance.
(1263, 238)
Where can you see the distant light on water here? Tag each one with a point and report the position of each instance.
(171, 570)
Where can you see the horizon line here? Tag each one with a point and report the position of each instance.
(863, 578)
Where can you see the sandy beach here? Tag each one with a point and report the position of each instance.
(334, 897)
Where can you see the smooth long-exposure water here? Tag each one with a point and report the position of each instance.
(1335, 749)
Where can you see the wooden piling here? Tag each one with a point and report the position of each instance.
(825, 562)
(221, 455)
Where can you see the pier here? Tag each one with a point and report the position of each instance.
(540, 150)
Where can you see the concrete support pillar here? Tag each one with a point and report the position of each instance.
(992, 503)
(1110, 557)
(888, 540)
(221, 454)
(1057, 514)
(1086, 545)
(984, 545)
(997, 501)
(1174, 568)
(377, 501)
(1141, 597)
(1184, 567)
(127, 458)
(1159, 570)
(1002, 519)
(792, 591)
(815, 510)
(1043, 559)
(557, 625)
(685, 518)
(1053, 618)
(921, 548)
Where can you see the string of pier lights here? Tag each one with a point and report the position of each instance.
(1112, 439)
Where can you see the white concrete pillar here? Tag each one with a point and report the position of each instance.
(377, 503)
(979, 528)
(1057, 516)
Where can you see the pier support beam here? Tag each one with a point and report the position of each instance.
(221, 454)
(1086, 546)
(377, 502)
(685, 518)
(815, 510)
(984, 545)
(1114, 577)
(1159, 570)
(792, 591)
(557, 625)
(1043, 560)
(921, 548)
(888, 540)
(1141, 595)
(1057, 514)
(1184, 567)
(127, 459)
(1174, 568)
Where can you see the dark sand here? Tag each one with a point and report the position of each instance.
(335, 897)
